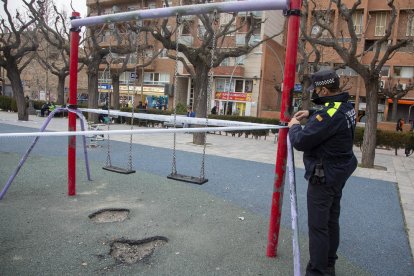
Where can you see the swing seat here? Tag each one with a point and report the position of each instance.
(186, 178)
(118, 170)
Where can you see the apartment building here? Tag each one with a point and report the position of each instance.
(242, 86)
(370, 22)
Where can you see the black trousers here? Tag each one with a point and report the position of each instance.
(323, 221)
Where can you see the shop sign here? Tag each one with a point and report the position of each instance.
(148, 90)
(234, 96)
(297, 87)
(104, 86)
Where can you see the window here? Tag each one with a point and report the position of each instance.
(357, 19)
(125, 78)
(186, 30)
(156, 78)
(133, 58)
(369, 45)
(385, 71)
(403, 72)
(152, 6)
(168, 27)
(225, 19)
(220, 85)
(325, 18)
(248, 87)
(225, 62)
(201, 30)
(410, 24)
(104, 76)
(239, 86)
(409, 48)
(164, 53)
(240, 60)
(347, 71)
(169, 4)
(149, 53)
(380, 23)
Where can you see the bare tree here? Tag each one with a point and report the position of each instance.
(347, 49)
(395, 90)
(198, 60)
(305, 67)
(122, 41)
(18, 42)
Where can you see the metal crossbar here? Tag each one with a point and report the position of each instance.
(221, 7)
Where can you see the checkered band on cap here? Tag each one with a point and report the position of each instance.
(324, 82)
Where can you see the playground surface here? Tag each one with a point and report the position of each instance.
(219, 228)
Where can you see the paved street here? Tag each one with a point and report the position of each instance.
(377, 220)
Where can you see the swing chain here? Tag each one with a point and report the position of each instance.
(177, 36)
(133, 104)
(209, 91)
(108, 103)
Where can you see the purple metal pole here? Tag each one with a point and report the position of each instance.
(42, 128)
(234, 6)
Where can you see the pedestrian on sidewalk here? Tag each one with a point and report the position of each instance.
(400, 125)
(326, 141)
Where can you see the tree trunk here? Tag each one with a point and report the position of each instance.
(93, 88)
(394, 109)
(61, 90)
(115, 92)
(14, 76)
(200, 98)
(370, 133)
(305, 95)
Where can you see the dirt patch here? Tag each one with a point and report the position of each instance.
(130, 252)
(109, 215)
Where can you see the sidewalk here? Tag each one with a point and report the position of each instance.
(399, 169)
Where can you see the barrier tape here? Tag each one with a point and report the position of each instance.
(135, 131)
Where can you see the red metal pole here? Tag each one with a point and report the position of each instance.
(288, 83)
(73, 83)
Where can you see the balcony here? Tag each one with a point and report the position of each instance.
(237, 71)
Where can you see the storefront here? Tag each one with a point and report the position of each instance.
(233, 103)
(153, 96)
(238, 101)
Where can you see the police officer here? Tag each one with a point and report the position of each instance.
(326, 141)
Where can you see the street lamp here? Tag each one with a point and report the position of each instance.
(274, 53)
(238, 63)
(228, 92)
(281, 67)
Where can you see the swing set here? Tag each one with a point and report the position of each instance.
(291, 9)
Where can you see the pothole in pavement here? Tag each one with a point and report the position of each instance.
(133, 251)
(109, 215)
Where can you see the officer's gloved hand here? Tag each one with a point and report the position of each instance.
(302, 114)
(293, 121)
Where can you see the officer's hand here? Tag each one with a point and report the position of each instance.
(293, 121)
(301, 115)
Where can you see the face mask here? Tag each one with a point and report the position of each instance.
(314, 95)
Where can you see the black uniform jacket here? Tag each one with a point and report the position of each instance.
(327, 138)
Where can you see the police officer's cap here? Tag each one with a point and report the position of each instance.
(324, 78)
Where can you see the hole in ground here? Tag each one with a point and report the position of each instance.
(109, 215)
(130, 251)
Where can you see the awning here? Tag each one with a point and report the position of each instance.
(409, 102)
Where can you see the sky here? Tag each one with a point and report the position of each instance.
(79, 5)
